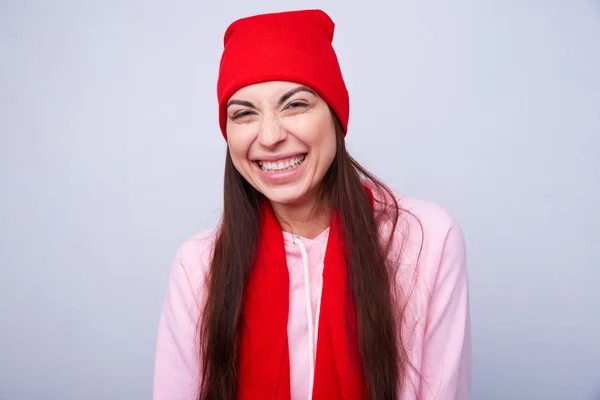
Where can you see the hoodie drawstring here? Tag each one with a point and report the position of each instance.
(312, 329)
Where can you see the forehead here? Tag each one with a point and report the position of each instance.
(266, 90)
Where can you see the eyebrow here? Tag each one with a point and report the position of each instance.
(282, 99)
(240, 103)
(293, 92)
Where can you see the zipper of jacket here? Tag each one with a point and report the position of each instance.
(313, 327)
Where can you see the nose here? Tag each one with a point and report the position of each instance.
(271, 133)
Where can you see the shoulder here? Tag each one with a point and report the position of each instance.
(419, 220)
(436, 232)
(194, 256)
(435, 221)
(424, 238)
(197, 247)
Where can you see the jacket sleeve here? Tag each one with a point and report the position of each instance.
(177, 366)
(446, 364)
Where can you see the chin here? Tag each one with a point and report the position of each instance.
(285, 195)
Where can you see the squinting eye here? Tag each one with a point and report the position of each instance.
(296, 104)
(241, 114)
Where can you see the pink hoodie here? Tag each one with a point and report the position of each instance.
(436, 330)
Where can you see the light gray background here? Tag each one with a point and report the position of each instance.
(110, 157)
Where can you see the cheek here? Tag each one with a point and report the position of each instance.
(323, 140)
(328, 148)
(317, 131)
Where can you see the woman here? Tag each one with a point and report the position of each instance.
(319, 282)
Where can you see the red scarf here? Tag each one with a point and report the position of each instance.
(264, 358)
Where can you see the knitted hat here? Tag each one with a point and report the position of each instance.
(292, 46)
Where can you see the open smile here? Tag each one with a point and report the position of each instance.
(282, 165)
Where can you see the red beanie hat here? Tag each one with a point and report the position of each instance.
(292, 46)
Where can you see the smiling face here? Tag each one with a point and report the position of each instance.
(281, 138)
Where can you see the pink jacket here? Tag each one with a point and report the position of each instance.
(436, 329)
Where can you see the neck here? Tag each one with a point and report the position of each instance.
(308, 219)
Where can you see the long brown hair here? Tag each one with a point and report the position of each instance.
(382, 356)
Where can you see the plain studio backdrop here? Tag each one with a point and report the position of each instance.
(111, 156)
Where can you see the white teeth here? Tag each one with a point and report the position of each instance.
(281, 165)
